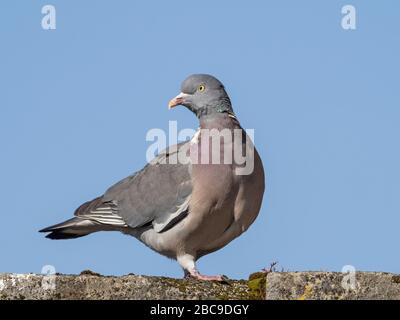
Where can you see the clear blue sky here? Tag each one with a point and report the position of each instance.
(76, 104)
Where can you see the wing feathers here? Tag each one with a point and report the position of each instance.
(158, 193)
(100, 211)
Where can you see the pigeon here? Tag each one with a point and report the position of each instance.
(194, 197)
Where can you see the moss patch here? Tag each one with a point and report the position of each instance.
(90, 273)
(257, 285)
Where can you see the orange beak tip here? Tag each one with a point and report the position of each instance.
(172, 104)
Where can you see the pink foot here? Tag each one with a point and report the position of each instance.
(197, 275)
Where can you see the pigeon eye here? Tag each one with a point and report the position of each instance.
(201, 88)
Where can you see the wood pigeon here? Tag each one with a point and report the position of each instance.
(194, 197)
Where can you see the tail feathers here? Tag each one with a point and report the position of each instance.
(61, 235)
(70, 229)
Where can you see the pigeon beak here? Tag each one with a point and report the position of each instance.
(178, 100)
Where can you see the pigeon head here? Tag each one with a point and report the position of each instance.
(203, 94)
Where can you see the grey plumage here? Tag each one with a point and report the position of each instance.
(182, 210)
(153, 194)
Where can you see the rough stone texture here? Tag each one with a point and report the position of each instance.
(92, 286)
(328, 286)
(274, 285)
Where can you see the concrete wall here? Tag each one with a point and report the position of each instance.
(275, 285)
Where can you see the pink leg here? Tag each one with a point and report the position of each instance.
(188, 264)
(197, 275)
